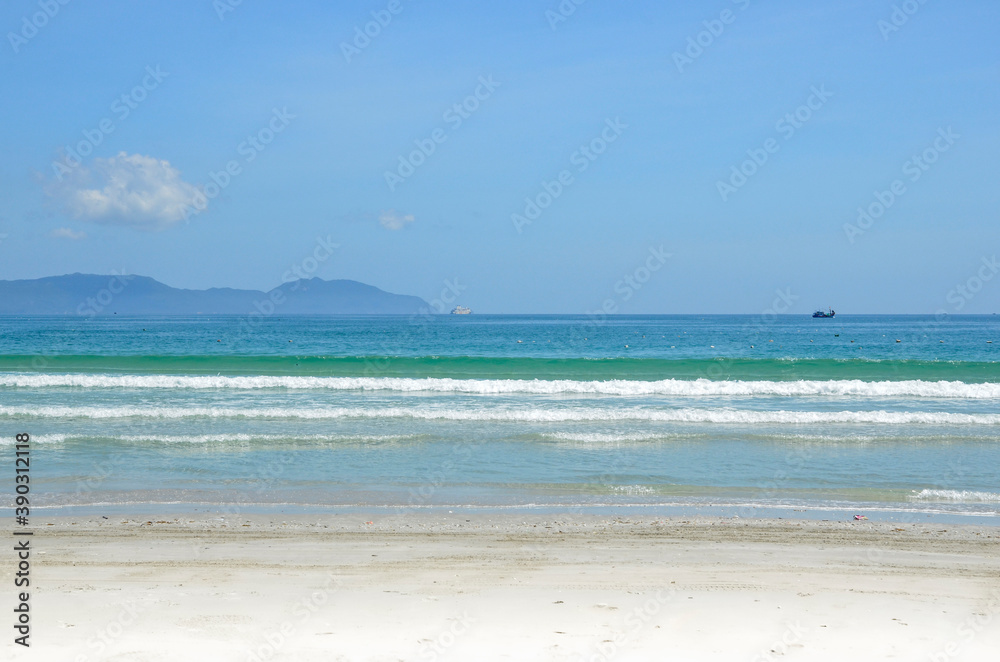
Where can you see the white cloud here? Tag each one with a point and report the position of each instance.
(393, 221)
(133, 190)
(67, 233)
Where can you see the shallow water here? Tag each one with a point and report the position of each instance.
(488, 411)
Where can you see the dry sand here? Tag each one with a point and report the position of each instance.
(509, 587)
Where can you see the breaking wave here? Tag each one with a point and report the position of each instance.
(957, 495)
(618, 387)
(529, 415)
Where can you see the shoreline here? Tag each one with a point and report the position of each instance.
(374, 586)
(885, 513)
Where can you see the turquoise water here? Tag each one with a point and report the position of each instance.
(736, 414)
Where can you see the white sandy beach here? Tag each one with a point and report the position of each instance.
(509, 587)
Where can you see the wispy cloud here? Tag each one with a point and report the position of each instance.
(128, 189)
(394, 221)
(67, 233)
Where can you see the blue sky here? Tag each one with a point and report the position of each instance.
(834, 100)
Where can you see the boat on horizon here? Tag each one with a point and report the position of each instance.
(820, 313)
(461, 310)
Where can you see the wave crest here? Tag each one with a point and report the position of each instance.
(957, 495)
(619, 387)
(525, 415)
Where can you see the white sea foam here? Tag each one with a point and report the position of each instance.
(601, 438)
(528, 415)
(622, 387)
(35, 439)
(240, 438)
(957, 495)
(224, 438)
(634, 490)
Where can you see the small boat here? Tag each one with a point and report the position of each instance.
(461, 310)
(820, 313)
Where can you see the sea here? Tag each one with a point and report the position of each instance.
(885, 417)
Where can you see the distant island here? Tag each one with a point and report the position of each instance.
(91, 295)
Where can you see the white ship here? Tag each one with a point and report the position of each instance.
(461, 310)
